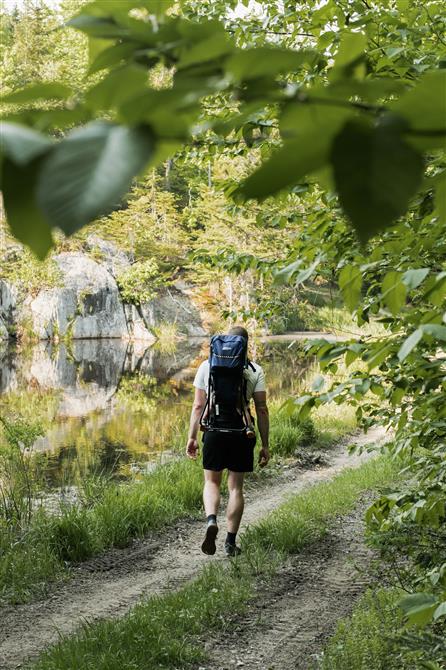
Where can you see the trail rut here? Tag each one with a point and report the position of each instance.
(108, 586)
(289, 620)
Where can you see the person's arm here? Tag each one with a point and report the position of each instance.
(263, 424)
(197, 408)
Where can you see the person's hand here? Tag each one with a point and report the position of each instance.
(263, 457)
(192, 448)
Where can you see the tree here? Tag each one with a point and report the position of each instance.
(349, 98)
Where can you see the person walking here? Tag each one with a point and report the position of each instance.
(226, 447)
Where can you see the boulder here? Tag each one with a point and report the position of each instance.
(87, 305)
(172, 305)
(8, 305)
(136, 326)
(108, 254)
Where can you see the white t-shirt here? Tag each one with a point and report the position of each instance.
(255, 379)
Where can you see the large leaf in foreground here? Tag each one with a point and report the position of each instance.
(44, 91)
(286, 167)
(22, 144)
(376, 174)
(88, 172)
(24, 216)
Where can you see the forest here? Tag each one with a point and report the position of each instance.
(171, 168)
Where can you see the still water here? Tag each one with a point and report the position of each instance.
(109, 407)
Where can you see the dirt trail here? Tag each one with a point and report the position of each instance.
(110, 585)
(288, 622)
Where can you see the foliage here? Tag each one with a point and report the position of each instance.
(370, 639)
(400, 383)
(20, 267)
(17, 478)
(140, 283)
(351, 117)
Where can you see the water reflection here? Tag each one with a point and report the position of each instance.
(108, 406)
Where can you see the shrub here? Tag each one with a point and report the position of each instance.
(140, 282)
(287, 435)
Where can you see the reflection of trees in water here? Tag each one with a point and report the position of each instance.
(71, 463)
(148, 413)
(286, 366)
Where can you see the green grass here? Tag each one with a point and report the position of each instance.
(369, 639)
(39, 553)
(332, 422)
(306, 518)
(165, 632)
(124, 512)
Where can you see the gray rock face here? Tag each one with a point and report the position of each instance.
(88, 305)
(136, 326)
(8, 304)
(115, 260)
(173, 306)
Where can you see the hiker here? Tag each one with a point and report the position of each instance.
(224, 386)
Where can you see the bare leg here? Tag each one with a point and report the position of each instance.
(236, 501)
(211, 491)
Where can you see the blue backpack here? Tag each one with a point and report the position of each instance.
(226, 408)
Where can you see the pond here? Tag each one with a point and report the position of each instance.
(110, 407)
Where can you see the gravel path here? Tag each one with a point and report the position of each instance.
(110, 585)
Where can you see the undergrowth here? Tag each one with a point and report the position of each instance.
(372, 638)
(164, 632)
(40, 551)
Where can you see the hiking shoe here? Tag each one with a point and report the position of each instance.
(232, 550)
(208, 546)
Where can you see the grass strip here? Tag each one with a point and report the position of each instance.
(38, 554)
(306, 517)
(163, 632)
(370, 638)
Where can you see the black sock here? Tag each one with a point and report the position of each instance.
(230, 538)
(212, 517)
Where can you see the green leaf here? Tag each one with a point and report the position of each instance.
(350, 283)
(318, 383)
(105, 7)
(90, 170)
(285, 168)
(440, 611)
(424, 108)
(113, 55)
(393, 291)
(436, 331)
(25, 219)
(267, 61)
(376, 173)
(295, 273)
(413, 278)
(351, 49)
(419, 607)
(409, 344)
(209, 49)
(436, 293)
(378, 356)
(98, 26)
(440, 200)
(117, 87)
(52, 91)
(22, 144)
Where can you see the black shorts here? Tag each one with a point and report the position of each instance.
(234, 451)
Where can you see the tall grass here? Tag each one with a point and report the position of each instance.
(111, 515)
(77, 533)
(165, 632)
(370, 639)
(306, 517)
